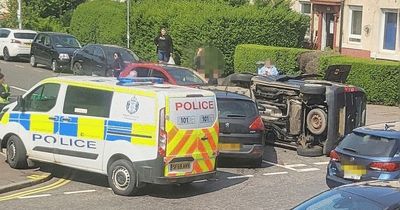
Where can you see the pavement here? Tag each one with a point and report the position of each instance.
(15, 179)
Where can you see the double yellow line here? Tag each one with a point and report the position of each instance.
(59, 183)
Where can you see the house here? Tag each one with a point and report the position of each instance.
(361, 28)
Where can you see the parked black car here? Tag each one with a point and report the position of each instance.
(241, 133)
(98, 59)
(314, 115)
(54, 50)
(373, 195)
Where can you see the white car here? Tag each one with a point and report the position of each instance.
(15, 43)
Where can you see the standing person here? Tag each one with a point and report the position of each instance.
(164, 46)
(268, 69)
(118, 64)
(4, 92)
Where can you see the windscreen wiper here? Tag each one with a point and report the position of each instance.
(350, 149)
(235, 115)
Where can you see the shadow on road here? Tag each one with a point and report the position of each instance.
(171, 191)
(269, 155)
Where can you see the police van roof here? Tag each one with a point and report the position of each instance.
(112, 83)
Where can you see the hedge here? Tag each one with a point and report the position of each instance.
(191, 24)
(380, 79)
(246, 56)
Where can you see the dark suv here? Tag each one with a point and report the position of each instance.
(314, 115)
(54, 50)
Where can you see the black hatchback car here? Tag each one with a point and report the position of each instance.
(241, 133)
(97, 59)
(54, 50)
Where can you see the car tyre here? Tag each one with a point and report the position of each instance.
(6, 54)
(122, 178)
(16, 153)
(309, 151)
(312, 89)
(317, 121)
(77, 68)
(33, 61)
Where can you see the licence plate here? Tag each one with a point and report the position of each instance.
(180, 166)
(229, 147)
(186, 120)
(27, 44)
(353, 171)
(206, 118)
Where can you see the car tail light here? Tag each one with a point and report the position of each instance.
(349, 89)
(334, 156)
(385, 166)
(162, 134)
(15, 41)
(257, 124)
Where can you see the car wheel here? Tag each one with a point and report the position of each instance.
(316, 121)
(6, 54)
(16, 153)
(33, 61)
(54, 65)
(122, 178)
(309, 151)
(312, 89)
(77, 69)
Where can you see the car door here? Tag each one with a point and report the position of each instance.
(99, 61)
(38, 116)
(84, 57)
(82, 125)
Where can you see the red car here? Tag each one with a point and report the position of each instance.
(171, 74)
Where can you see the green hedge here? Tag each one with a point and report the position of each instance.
(380, 79)
(246, 56)
(191, 23)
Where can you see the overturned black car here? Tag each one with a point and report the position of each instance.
(313, 115)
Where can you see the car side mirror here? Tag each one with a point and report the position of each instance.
(21, 103)
(213, 81)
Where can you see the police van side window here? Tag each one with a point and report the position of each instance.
(43, 98)
(87, 101)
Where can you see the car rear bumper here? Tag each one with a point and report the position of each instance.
(19, 51)
(246, 151)
(184, 179)
(334, 181)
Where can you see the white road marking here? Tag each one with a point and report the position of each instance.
(3, 62)
(307, 169)
(199, 181)
(109, 188)
(20, 66)
(81, 191)
(240, 177)
(275, 173)
(295, 165)
(321, 163)
(282, 166)
(35, 196)
(17, 88)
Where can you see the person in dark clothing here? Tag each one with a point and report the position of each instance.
(118, 64)
(164, 46)
(4, 92)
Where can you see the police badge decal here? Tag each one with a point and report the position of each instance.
(132, 106)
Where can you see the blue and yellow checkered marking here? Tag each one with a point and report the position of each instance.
(88, 128)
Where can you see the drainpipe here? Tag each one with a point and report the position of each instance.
(341, 26)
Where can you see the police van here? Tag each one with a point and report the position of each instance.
(134, 132)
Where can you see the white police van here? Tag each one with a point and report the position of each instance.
(132, 130)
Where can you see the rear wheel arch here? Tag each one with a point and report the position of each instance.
(114, 158)
(5, 139)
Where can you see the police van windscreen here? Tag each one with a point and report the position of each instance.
(193, 112)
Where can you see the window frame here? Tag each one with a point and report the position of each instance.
(382, 29)
(302, 4)
(353, 8)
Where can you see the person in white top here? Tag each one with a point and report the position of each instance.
(268, 69)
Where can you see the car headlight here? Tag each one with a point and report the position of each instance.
(63, 56)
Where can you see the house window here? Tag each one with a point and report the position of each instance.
(305, 7)
(390, 30)
(355, 23)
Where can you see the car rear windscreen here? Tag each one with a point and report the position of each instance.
(368, 145)
(24, 35)
(228, 108)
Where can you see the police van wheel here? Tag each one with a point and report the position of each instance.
(122, 178)
(16, 153)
